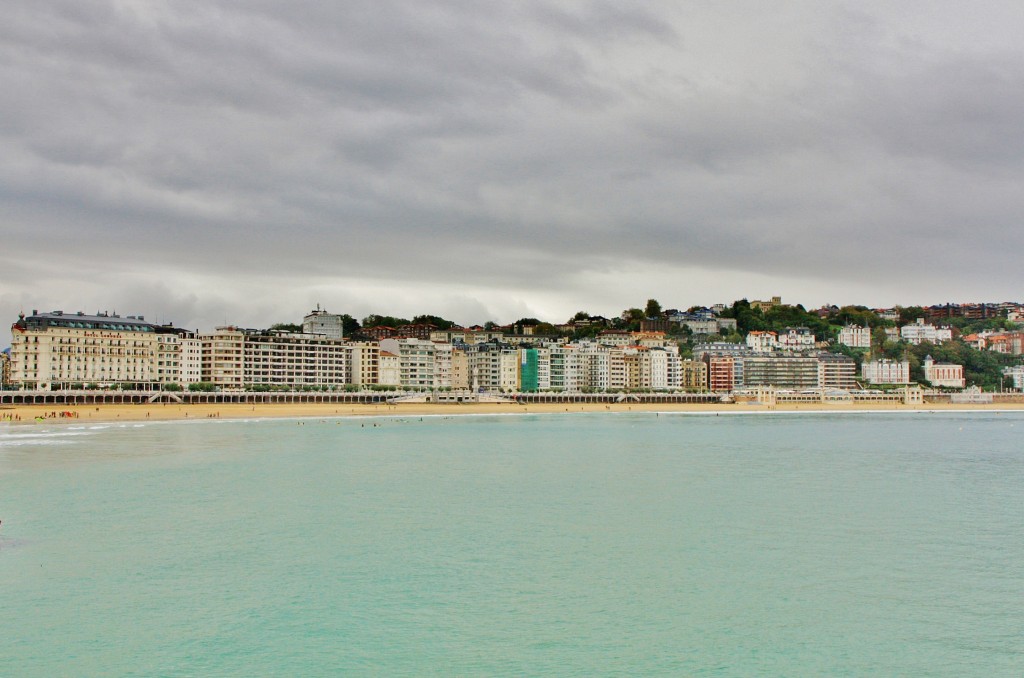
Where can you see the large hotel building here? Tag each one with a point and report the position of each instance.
(58, 351)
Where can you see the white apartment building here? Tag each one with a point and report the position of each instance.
(418, 362)
(543, 367)
(179, 357)
(390, 369)
(658, 366)
(272, 358)
(190, 359)
(508, 379)
(920, 331)
(222, 354)
(58, 351)
(796, 339)
(464, 336)
(615, 338)
(886, 371)
(855, 336)
(588, 367)
(892, 314)
(1016, 373)
(318, 321)
(233, 358)
(762, 342)
(443, 353)
(168, 358)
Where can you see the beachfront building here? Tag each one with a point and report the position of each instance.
(319, 321)
(222, 358)
(855, 336)
(423, 364)
(535, 369)
(460, 369)
(390, 367)
(712, 353)
(722, 371)
(920, 331)
(190, 358)
(232, 358)
(590, 367)
(659, 372)
(836, 371)
(59, 351)
(168, 358)
(293, 359)
(508, 364)
(781, 371)
(484, 363)
(557, 355)
(693, 375)
(363, 362)
(946, 375)
(885, 371)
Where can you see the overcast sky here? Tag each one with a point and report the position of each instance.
(210, 162)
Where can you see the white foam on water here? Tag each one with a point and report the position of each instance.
(45, 434)
(20, 443)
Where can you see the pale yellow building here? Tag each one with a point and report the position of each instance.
(53, 351)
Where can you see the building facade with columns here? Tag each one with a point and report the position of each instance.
(57, 350)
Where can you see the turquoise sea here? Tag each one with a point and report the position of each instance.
(859, 544)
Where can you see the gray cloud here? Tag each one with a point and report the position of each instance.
(524, 158)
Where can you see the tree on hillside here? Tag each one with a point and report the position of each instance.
(286, 327)
(437, 321)
(778, 318)
(349, 325)
(856, 315)
(747, 319)
(909, 314)
(629, 320)
(374, 320)
(653, 309)
(545, 329)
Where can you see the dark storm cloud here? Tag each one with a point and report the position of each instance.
(503, 156)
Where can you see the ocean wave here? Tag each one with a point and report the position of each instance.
(44, 434)
(37, 442)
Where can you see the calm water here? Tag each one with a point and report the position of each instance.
(579, 545)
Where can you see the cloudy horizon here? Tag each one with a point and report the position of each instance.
(208, 163)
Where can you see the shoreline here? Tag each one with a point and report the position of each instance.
(18, 415)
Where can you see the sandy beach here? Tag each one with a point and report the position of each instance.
(31, 414)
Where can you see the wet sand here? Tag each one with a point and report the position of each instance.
(27, 414)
